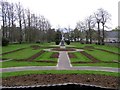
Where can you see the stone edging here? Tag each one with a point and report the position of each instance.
(52, 85)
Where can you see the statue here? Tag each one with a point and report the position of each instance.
(62, 41)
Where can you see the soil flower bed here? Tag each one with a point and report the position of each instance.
(71, 55)
(45, 79)
(35, 47)
(55, 55)
(64, 49)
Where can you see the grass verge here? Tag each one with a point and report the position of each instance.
(103, 56)
(20, 73)
(24, 63)
(116, 65)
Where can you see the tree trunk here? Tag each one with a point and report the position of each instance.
(103, 32)
(87, 42)
(99, 33)
(90, 35)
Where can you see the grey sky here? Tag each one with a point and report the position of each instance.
(67, 12)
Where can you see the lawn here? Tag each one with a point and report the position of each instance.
(103, 56)
(12, 47)
(105, 47)
(22, 54)
(80, 58)
(98, 54)
(46, 56)
(79, 45)
(28, 52)
(19, 73)
(24, 63)
(108, 48)
(116, 65)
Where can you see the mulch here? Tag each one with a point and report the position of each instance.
(55, 55)
(64, 49)
(35, 56)
(40, 61)
(90, 57)
(72, 55)
(35, 47)
(47, 61)
(45, 79)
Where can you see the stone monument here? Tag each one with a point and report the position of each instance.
(62, 43)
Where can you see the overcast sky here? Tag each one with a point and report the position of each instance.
(67, 12)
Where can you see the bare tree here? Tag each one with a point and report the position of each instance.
(3, 14)
(102, 16)
(31, 27)
(98, 20)
(19, 14)
(83, 27)
(13, 18)
(105, 16)
(91, 24)
(28, 26)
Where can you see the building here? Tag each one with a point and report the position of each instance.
(112, 36)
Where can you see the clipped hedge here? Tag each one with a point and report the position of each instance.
(57, 42)
(5, 41)
(68, 42)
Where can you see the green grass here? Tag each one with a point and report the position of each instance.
(99, 64)
(47, 44)
(12, 47)
(22, 54)
(0, 49)
(20, 73)
(80, 57)
(24, 63)
(108, 48)
(103, 56)
(79, 45)
(46, 56)
(105, 47)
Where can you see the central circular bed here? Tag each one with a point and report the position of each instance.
(63, 49)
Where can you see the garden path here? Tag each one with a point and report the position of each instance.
(63, 64)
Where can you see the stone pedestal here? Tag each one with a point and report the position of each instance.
(62, 43)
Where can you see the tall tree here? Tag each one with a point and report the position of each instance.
(91, 24)
(19, 13)
(105, 16)
(98, 20)
(3, 14)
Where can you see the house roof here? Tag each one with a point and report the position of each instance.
(111, 34)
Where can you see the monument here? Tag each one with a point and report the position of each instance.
(62, 43)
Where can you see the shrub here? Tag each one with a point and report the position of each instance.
(68, 42)
(37, 41)
(57, 42)
(5, 41)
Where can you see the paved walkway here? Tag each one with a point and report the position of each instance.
(63, 64)
(63, 61)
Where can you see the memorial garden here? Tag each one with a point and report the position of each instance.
(33, 54)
